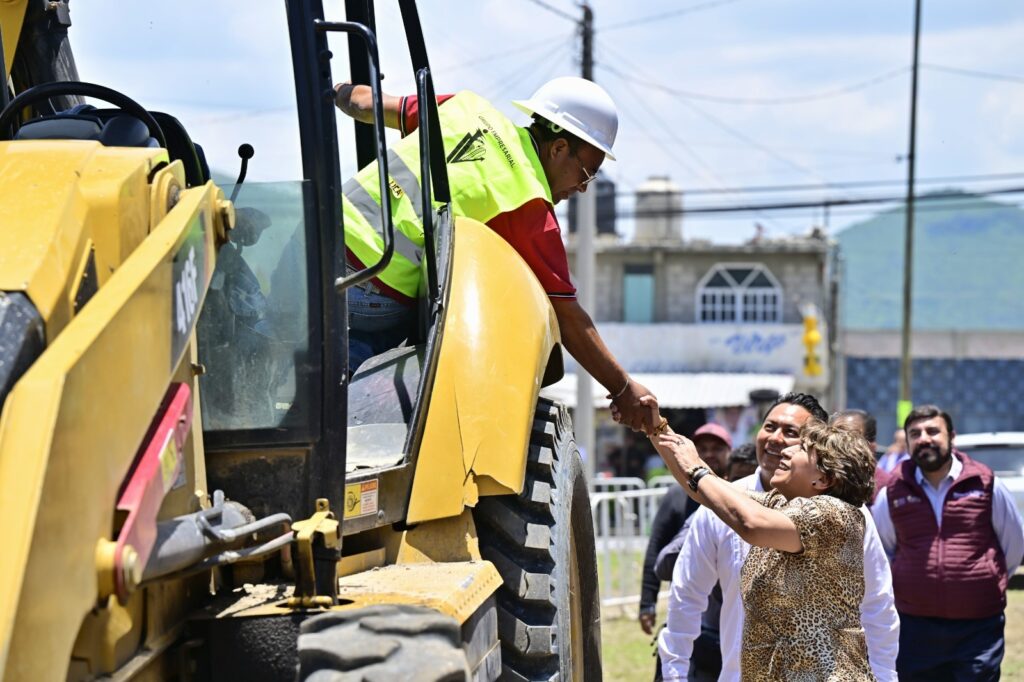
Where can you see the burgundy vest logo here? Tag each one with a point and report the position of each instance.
(900, 501)
(960, 494)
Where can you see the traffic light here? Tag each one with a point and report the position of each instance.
(812, 338)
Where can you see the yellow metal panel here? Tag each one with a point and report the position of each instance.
(12, 15)
(59, 195)
(499, 332)
(457, 589)
(109, 635)
(69, 432)
(444, 540)
(364, 561)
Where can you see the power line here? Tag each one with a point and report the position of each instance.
(783, 100)
(847, 212)
(507, 83)
(494, 56)
(974, 74)
(674, 136)
(854, 184)
(722, 125)
(753, 208)
(666, 15)
(540, 77)
(555, 10)
(703, 167)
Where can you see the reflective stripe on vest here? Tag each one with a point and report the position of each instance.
(370, 209)
(492, 169)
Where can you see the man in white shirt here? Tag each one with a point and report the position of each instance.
(712, 552)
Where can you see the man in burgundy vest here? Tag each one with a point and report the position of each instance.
(953, 535)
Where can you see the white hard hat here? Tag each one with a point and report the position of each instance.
(579, 106)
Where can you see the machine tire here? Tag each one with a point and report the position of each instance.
(542, 543)
(382, 643)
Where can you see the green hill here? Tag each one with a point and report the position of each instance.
(967, 267)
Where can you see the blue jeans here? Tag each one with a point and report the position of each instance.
(376, 323)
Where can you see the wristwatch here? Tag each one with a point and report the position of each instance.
(694, 474)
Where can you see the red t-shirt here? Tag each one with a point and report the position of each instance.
(532, 229)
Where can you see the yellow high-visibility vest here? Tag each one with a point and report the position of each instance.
(493, 168)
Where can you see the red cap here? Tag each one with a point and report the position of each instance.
(716, 430)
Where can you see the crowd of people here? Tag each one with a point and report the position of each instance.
(827, 562)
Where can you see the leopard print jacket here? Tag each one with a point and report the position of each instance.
(803, 610)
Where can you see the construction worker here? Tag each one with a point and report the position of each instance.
(502, 175)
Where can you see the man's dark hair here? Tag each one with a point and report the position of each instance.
(866, 418)
(545, 131)
(804, 400)
(927, 412)
(745, 453)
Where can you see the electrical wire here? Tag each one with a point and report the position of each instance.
(860, 153)
(855, 184)
(673, 135)
(710, 4)
(503, 87)
(973, 73)
(750, 208)
(703, 168)
(555, 10)
(496, 56)
(852, 212)
(721, 124)
(783, 100)
(730, 130)
(543, 76)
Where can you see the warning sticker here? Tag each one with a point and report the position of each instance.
(169, 460)
(361, 498)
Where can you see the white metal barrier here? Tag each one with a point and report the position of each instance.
(622, 526)
(617, 483)
(666, 481)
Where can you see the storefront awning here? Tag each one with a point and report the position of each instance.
(683, 390)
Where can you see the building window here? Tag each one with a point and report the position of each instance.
(738, 292)
(638, 294)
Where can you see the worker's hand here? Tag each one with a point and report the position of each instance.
(647, 622)
(636, 408)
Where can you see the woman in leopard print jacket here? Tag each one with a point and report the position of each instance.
(803, 580)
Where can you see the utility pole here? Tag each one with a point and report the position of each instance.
(586, 217)
(905, 403)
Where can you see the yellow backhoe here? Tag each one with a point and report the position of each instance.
(191, 484)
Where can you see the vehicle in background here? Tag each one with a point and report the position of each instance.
(1001, 451)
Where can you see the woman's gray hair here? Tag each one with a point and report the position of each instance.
(845, 457)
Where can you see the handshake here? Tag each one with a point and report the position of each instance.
(637, 408)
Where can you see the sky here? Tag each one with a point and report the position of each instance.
(711, 93)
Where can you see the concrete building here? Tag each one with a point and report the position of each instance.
(700, 324)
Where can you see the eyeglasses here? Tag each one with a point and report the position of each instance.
(587, 177)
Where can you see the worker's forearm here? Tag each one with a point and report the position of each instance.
(356, 101)
(581, 339)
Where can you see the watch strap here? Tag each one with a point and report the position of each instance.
(697, 473)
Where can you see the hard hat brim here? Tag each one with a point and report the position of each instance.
(528, 107)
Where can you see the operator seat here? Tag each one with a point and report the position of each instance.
(114, 128)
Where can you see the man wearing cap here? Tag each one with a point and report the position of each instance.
(713, 443)
(505, 176)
